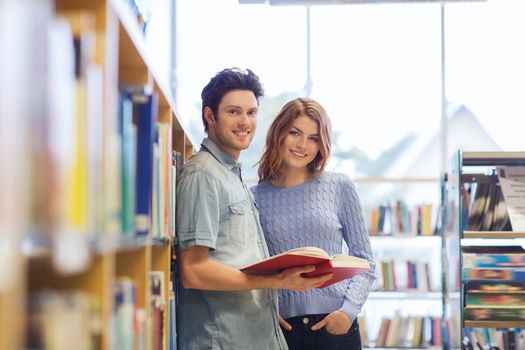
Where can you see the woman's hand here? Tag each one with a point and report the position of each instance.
(335, 323)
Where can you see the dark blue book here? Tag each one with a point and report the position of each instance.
(145, 105)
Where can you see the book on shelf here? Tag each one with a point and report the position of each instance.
(398, 218)
(501, 338)
(494, 260)
(499, 274)
(50, 312)
(158, 309)
(488, 211)
(493, 249)
(495, 287)
(512, 181)
(124, 312)
(409, 331)
(382, 333)
(69, 192)
(392, 336)
(499, 313)
(147, 170)
(162, 182)
(406, 275)
(172, 330)
(363, 331)
(128, 134)
(388, 275)
(495, 299)
(342, 266)
(145, 116)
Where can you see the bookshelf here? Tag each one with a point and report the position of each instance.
(402, 217)
(474, 232)
(72, 268)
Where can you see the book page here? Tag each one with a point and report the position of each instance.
(309, 251)
(348, 260)
(512, 181)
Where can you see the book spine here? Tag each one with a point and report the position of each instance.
(145, 114)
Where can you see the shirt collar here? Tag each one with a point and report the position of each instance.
(224, 158)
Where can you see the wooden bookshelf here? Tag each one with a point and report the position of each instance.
(121, 56)
(12, 310)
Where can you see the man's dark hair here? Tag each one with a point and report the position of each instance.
(225, 81)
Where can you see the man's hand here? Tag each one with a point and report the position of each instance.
(335, 323)
(284, 324)
(292, 279)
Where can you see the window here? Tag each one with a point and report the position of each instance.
(377, 70)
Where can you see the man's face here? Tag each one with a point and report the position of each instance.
(233, 128)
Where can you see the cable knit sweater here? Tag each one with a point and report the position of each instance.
(325, 213)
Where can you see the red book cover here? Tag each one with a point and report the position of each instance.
(342, 266)
(410, 277)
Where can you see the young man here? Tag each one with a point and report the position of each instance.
(219, 232)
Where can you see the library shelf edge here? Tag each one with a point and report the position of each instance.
(469, 168)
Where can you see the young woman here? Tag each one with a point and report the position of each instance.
(303, 205)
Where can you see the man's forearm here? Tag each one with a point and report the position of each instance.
(212, 275)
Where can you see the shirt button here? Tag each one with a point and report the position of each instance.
(305, 320)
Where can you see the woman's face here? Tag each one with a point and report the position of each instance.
(301, 143)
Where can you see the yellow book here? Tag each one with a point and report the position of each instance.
(82, 25)
(427, 220)
(418, 325)
(363, 331)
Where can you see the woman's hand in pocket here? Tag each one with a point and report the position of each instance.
(335, 323)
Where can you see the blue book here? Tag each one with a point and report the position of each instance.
(493, 260)
(144, 116)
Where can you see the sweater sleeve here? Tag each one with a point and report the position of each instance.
(356, 237)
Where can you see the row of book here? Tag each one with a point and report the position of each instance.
(61, 187)
(485, 208)
(494, 338)
(149, 166)
(501, 263)
(143, 327)
(405, 332)
(95, 169)
(134, 325)
(65, 146)
(56, 320)
(400, 218)
(494, 301)
(494, 283)
(404, 276)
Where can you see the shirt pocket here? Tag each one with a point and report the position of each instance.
(241, 223)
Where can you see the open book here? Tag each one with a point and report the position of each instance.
(341, 265)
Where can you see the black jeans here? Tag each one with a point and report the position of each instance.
(301, 337)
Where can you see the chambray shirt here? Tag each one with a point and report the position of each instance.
(215, 209)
